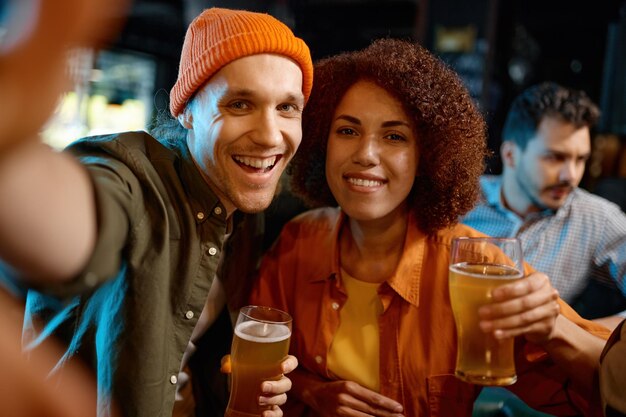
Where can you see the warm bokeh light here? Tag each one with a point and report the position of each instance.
(111, 92)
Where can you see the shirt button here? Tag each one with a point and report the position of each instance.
(318, 359)
(212, 251)
(173, 379)
(200, 215)
(189, 315)
(335, 306)
(217, 210)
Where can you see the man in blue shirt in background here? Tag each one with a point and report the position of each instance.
(576, 238)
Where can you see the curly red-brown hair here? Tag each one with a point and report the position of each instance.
(450, 129)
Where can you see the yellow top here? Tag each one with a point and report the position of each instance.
(354, 352)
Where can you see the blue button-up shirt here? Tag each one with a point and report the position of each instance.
(583, 240)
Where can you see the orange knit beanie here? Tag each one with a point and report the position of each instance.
(219, 36)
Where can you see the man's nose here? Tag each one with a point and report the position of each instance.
(568, 171)
(268, 131)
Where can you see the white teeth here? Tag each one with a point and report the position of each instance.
(258, 163)
(364, 183)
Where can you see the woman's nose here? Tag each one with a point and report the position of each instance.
(367, 152)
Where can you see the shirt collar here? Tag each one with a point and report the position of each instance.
(328, 266)
(405, 281)
(564, 210)
(492, 192)
(561, 212)
(202, 199)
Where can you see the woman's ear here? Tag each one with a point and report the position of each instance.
(508, 153)
(186, 118)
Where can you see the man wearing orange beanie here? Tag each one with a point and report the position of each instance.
(138, 248)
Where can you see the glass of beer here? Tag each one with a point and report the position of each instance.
(260, 344)
(477, 266)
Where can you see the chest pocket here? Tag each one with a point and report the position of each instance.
(449, 396)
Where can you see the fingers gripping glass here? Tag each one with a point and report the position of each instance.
(260, 344)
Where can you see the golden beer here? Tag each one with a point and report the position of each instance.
(257, 351)
(481, 358)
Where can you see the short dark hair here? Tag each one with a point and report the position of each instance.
(450, 129)
(547, 99)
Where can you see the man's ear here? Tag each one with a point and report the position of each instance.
(508, 153)
(186, 118)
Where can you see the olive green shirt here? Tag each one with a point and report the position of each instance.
(160, 238)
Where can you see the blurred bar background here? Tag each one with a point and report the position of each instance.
(499, 47)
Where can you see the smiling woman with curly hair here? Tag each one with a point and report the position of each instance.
(450, 131)
(395, 146)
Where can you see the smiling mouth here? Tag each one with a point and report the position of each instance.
(257, 164)
(360, 182)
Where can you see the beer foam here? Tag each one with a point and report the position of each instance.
(258, 332)
(490, 271)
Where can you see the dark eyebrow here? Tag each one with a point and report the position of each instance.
(390, 123)
(236, 94)
(566, 155)
(350, 119)
(393, 123)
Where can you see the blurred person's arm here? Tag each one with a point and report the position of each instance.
(41, 192)
(47, 215)
(33, 50)
(27, 389)
(48, 218)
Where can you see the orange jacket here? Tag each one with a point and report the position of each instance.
(301, 275)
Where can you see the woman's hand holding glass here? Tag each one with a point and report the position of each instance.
(527, 307)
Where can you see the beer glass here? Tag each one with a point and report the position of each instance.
(260, 344)
(477, 266)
